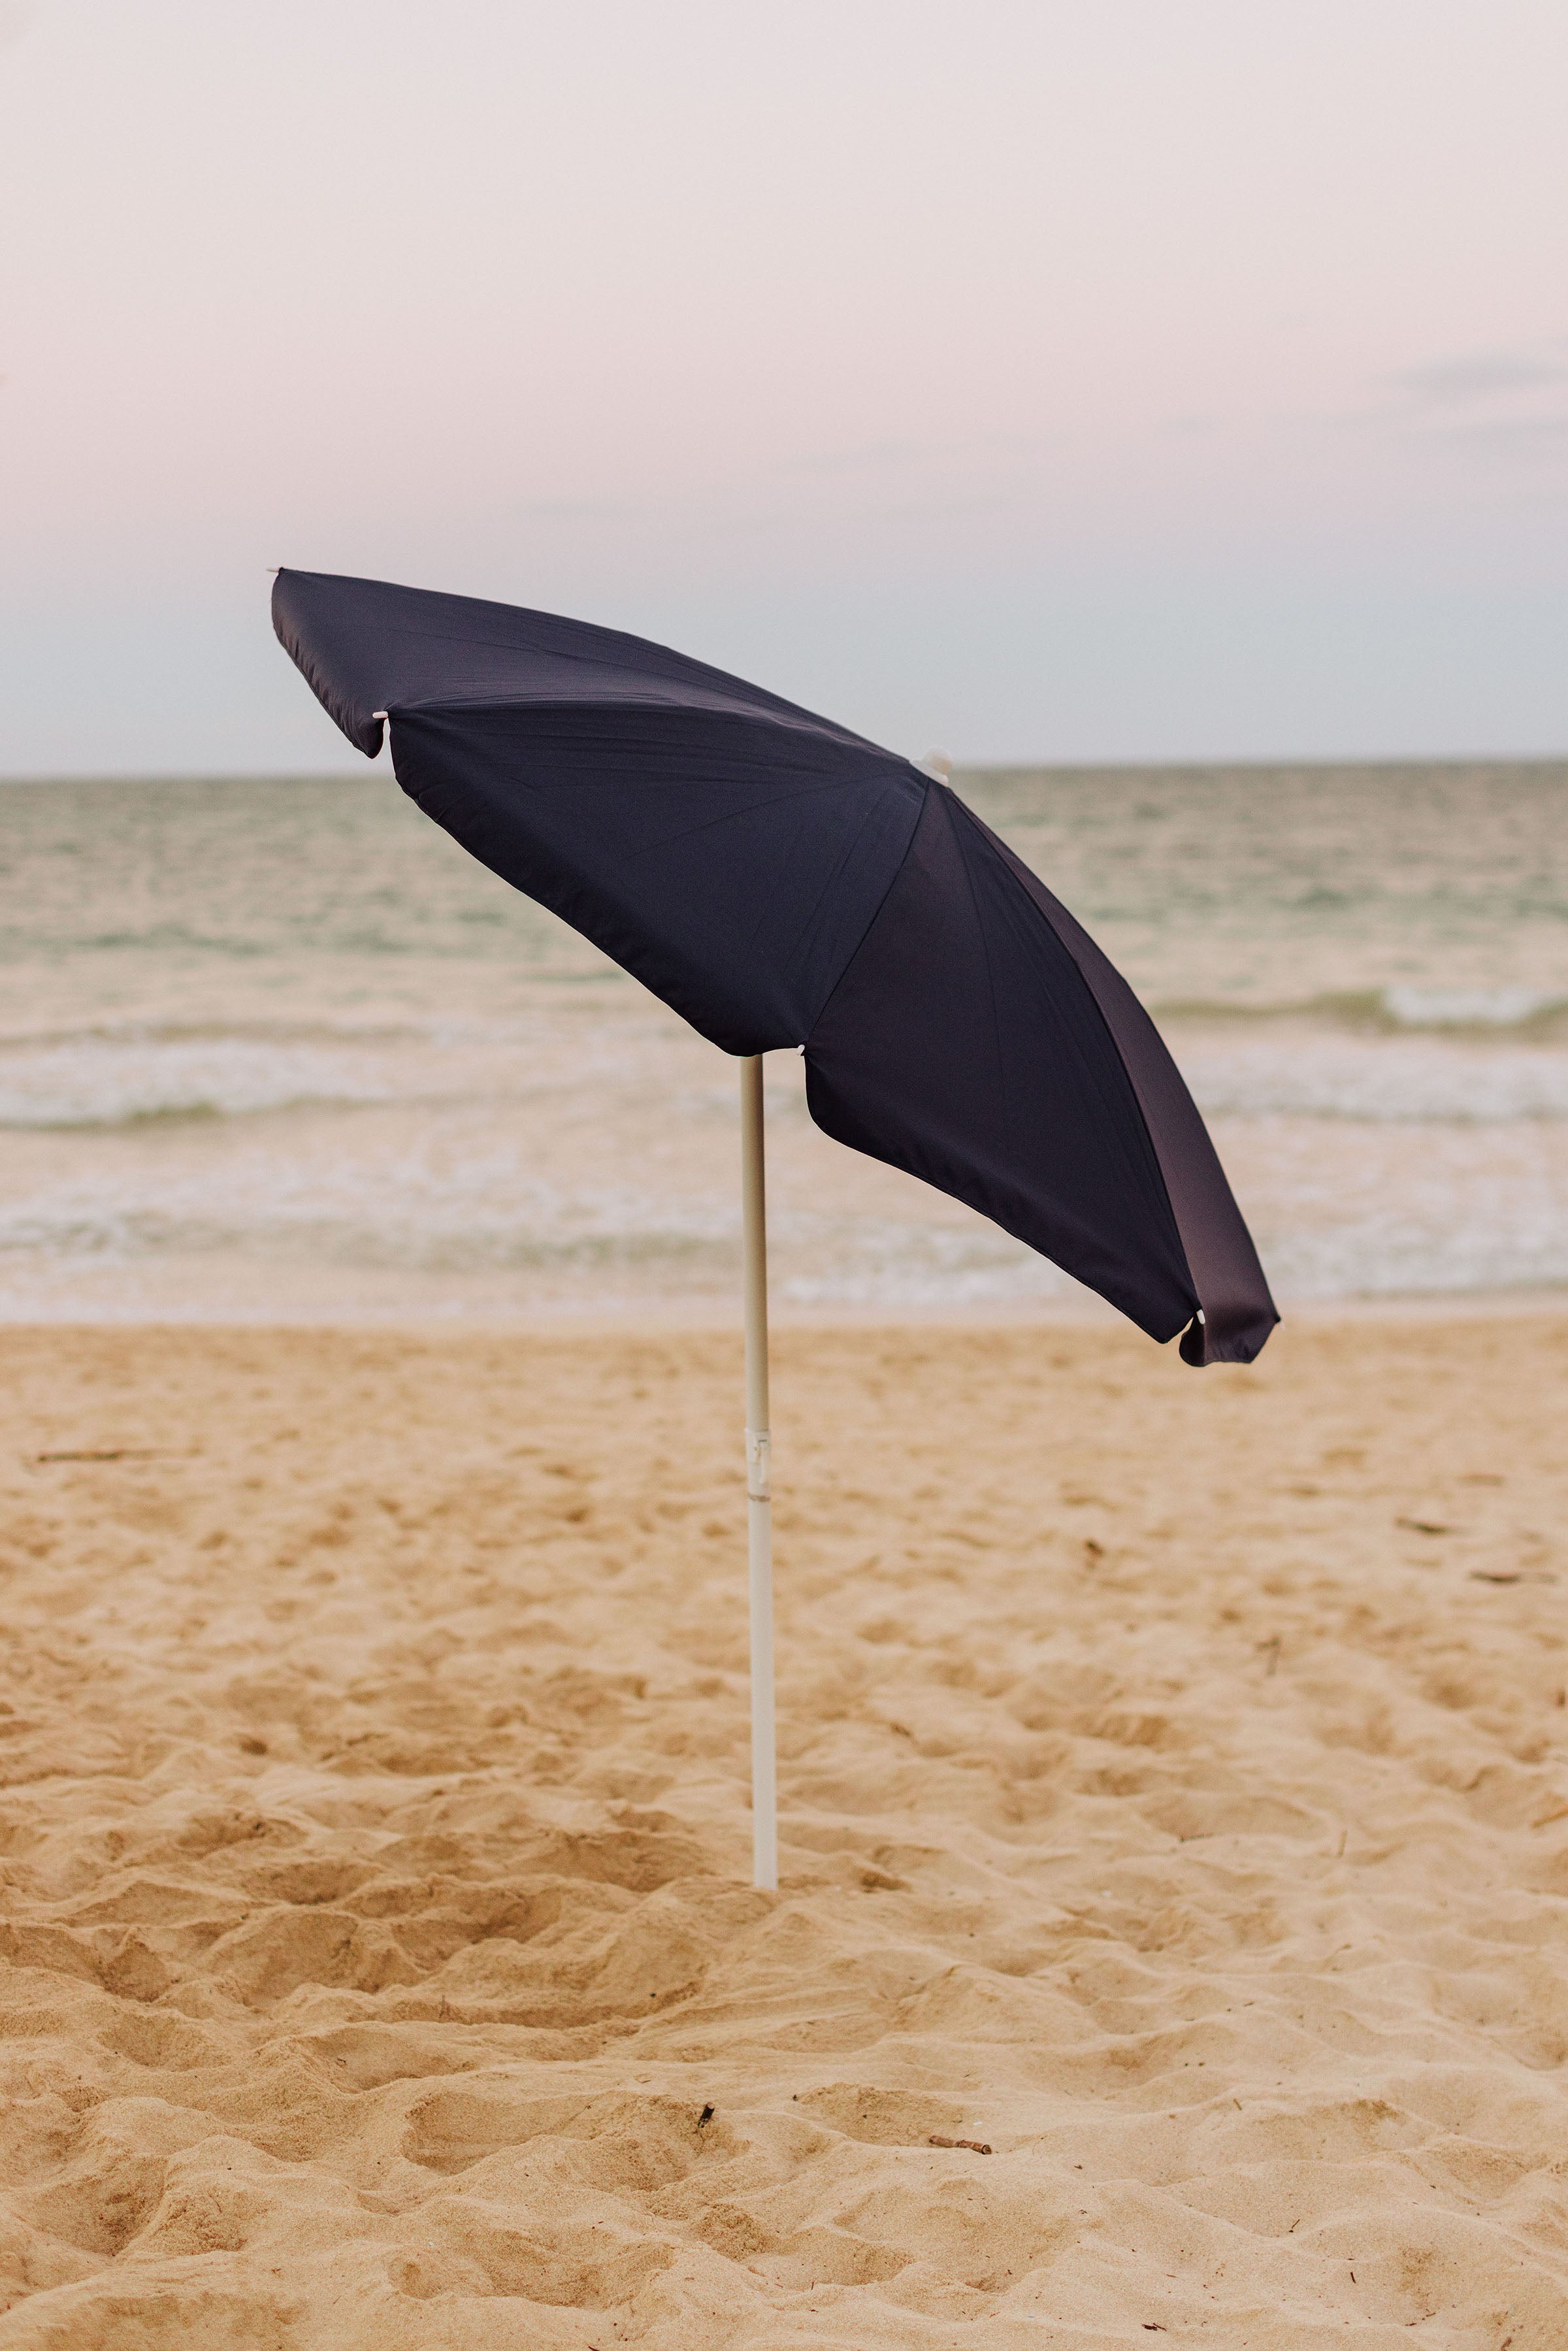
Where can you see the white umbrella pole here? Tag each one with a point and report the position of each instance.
(758, 1487)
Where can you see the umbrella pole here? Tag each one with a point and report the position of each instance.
(758, 1486)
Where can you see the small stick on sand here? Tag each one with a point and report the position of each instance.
(975, 2146)
(119, 1453)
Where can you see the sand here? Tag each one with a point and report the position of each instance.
(1174, 1788)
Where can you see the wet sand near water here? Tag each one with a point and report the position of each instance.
(1175, 1801)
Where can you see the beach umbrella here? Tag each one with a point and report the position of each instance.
(781, 881)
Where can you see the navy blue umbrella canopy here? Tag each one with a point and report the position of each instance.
(781, 881)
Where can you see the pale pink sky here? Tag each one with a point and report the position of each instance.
(1155, 378)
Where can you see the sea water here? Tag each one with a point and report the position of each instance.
(279, 1050)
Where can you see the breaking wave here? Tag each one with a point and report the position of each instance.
(1525, 1014)
(106, 1082)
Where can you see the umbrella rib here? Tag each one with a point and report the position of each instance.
(1091, 1076)
(875, 915)
(805, 928)
(788, 716)
(735, 816)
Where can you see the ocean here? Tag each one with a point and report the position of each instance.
(278, 1050)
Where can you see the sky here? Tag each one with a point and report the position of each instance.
(1158, 380)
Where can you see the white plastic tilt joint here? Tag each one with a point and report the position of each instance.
(759, 1466)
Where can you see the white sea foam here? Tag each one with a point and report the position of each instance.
(106, 1082)
(1397, 1079)
(1468, 1008)
(481, 1212)
(1389, 1255)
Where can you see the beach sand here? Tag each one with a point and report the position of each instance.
(1174, 1801)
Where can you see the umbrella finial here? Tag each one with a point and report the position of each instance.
(938, 764)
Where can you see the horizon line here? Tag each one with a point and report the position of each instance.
(1187, 763)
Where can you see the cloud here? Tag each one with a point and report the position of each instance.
(1481, 376)
(1527, 437)
(1495, 406)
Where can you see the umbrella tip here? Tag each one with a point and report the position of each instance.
(938, 764)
